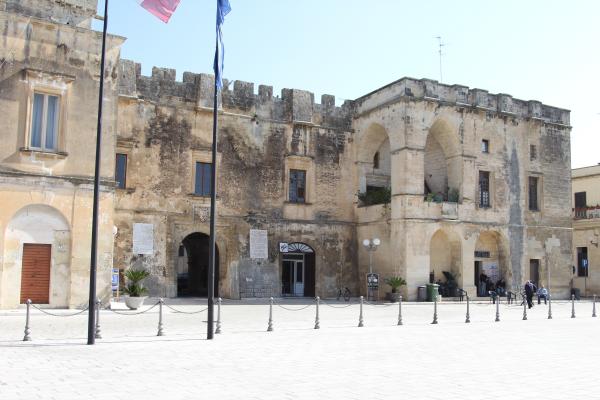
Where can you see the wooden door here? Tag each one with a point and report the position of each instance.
(35, 273)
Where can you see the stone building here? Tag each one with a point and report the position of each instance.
(586, 229)
(449, 178)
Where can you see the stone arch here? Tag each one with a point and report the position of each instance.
(445, 254)
(374, 146)
(492, 258)
(442, 160)
(37, 226)
(222, 282)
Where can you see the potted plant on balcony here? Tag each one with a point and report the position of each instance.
(134, 287)
(395, 282)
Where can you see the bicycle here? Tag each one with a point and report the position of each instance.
(344, 293)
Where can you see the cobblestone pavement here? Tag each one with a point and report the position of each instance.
(512, 359)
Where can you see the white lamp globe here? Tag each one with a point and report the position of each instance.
(366, 242)
(376, 241)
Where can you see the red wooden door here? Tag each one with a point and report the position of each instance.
(35, 273)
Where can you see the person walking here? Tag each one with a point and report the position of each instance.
(530, 290)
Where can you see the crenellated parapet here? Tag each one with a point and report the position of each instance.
(294, 105)
(431, 90)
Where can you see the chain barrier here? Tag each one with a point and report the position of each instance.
(133, 313)
(60, 315)
(176, 311)
(332, 306)
(379, 305)
(292, 309)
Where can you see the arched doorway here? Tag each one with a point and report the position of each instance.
(374, 160)
(37, 256)
(298, 271)
(490, 264)
(445, 259)
(192, 266)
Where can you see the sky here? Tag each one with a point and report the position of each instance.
(533, 50)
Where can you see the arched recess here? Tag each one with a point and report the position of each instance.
(298, 271)
(37, 257)
(491, 261)
(442, 161)
(374, 159)
(192, 266)
(445, 255)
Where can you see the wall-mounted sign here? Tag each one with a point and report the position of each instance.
(482, 254)
(143, 239)
(283, 247)
(259, 248)
(115, 279)
(373, 281)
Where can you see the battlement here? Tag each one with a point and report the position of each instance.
(297, 106)
(462, 96)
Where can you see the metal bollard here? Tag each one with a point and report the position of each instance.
(549, 306)
(97, 333)
(594, 307)
(400, 310)
(360, 316)
(160, 332)
(317, 326)
(218, 329)
(27, 338)
(572, 306)
(524, 310)
(270, 327)
(497, 309)
(435, 321)
(468, 316)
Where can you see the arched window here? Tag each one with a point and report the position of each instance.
(376, 161)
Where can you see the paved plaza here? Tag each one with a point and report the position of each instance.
(512, 359)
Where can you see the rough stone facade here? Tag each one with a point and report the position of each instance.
(421, 139)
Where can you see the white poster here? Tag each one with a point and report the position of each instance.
(143, 239)
(258, 244)
(490, 268)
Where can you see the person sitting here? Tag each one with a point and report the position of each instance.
(542, 293)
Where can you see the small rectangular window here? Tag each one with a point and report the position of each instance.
(484, 189)
(202, 183)
(532, 152)
(485, 146)
(297, 186)
(121, 171)
(533, 194)
(44, 122)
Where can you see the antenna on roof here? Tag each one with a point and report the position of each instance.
(440, 44)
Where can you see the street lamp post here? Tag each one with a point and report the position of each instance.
(371, 246)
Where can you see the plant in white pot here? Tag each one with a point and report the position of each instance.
(134, 288)
(394, 282)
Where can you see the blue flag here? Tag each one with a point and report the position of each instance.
(223, 8)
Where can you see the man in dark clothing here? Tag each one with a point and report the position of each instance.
(530, 290)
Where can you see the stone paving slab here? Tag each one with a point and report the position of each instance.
(514, 359)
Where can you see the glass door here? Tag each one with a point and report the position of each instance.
(292, 275)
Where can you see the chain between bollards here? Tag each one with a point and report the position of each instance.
(549, 306)
(594, 307)
(524, 310)
(572, 306)
(468, 316)
(97, 331)
(400, 310)
(270, 327)
(360, 316)
(317, 322)
(27, 338)
(497, 309)
(435, 319)
(161, 331)
(218, 329)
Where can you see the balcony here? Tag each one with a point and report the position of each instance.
(586, 212)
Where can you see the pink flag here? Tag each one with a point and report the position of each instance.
(162, 9)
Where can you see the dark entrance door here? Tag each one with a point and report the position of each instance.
(534, 271)
(298, 273)
(193, 280)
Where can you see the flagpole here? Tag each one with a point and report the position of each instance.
(93, 261)
(213, 210)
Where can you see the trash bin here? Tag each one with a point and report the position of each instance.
(432, 291)
(421, 293)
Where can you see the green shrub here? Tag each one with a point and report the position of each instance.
(375, 196)
(134, 286)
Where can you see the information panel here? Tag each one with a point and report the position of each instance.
(143, 239)
(259, 248)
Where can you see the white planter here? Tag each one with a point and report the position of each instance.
(133, 303)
